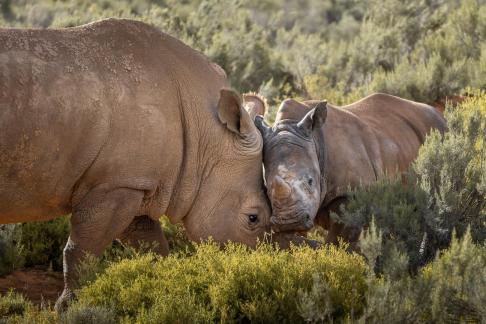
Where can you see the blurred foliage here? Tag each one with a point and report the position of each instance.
(340, 50)
(11, 256)
(43, 242)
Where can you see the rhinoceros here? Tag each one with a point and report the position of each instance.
(315, 152)
(118, 123)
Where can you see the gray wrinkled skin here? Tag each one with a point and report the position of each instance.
(315, 152)
(119, 123)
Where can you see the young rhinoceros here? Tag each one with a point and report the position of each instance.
(118, 124)
(315, 152)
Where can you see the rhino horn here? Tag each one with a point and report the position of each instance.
(281, 190)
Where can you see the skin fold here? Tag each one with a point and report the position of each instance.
(315, 152)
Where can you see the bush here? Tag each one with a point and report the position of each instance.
(43, 242)
(175, 234)
(402, 213)
(13, 304)
(234, 284)
(15, 309)
(11, 256)
(452, 288)
(81, 314)
(452, 170)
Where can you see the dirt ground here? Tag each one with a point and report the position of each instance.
(39, 286)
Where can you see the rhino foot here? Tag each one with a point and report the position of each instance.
(64, 301)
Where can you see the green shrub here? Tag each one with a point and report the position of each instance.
(175, 234)
(13, 304)
(15, 309)
(451, 289)
(81, 314)
(452, 170)
(43, 242)
(234, 284)
(402, 213)
(11, 256)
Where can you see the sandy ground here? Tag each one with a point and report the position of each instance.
(39, 286)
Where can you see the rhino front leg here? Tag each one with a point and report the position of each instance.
(143, 229)
(95, 222)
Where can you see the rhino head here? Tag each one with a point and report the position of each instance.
(232, 204)
(293, 148)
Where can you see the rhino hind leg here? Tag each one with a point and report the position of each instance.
(144, 230)
(95, 222)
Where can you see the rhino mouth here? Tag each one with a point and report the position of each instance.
(301, 221)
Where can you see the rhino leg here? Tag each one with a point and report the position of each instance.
(143, 229)
(95, 222)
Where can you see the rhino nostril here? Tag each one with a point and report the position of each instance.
(306, 217)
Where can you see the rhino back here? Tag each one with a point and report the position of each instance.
(376, 136)
(93, 105)
(399, 125)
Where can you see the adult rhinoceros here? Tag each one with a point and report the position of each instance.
(315, 152)
(119, 123)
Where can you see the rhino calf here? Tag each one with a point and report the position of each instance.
(119, 123)
(316, 151)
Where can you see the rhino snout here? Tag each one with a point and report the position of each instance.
(302, 222)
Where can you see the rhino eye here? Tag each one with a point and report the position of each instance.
(253, 218)
(310, 182)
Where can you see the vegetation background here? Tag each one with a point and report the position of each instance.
(423, 254)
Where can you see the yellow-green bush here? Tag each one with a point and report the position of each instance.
(15, 309)
(229, 285)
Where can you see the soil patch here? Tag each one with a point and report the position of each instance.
(39, 286)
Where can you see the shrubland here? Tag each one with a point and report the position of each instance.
(422, 253)
(336, 50)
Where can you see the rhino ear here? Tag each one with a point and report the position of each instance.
(232, 114)
(314, 119)
(255, 104)
(262, 126)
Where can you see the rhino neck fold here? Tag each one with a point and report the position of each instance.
(188, 179)
(202, 143)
